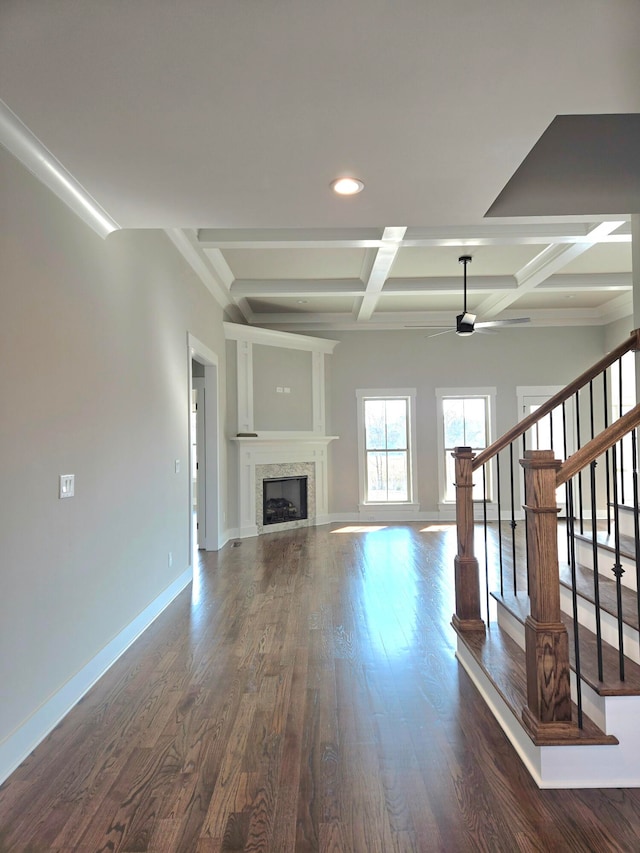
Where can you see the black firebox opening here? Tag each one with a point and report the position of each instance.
(284, 499)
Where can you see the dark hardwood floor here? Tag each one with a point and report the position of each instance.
(303, 696)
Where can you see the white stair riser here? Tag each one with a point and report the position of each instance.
(625, 522)
(584, 556)
(608, 624)
(510, 625)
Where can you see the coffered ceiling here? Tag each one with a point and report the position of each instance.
(506, 131)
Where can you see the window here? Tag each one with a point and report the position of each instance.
(623, 399)
(385, 438)
(550, 432)
(464, 420)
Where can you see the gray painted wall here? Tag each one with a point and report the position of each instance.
(389, 359)
(275, 367)
(94, 382)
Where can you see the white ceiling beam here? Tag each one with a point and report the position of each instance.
(504, 234)
(551, 259)
(586, 282)
(385, 256)
(437, 285)
(482, 234)
(446, 285)
(289, 238)
(262, 288)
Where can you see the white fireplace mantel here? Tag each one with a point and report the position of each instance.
(280, 450)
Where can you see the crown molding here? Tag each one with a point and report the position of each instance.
(16, 137)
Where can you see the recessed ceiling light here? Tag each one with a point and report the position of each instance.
(347, 186)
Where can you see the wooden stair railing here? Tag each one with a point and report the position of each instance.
(548, 711)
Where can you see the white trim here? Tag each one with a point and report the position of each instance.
(272, 338)
(318, 393)
(277, 438)
(27, 148)
(196, 349)
(245, 381)
(17, 746)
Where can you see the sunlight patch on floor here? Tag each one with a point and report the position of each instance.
(360, 528)
(437, 528)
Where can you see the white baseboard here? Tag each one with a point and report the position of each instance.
(20, 743)
(381, 516)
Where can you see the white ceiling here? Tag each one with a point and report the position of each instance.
(223, 121)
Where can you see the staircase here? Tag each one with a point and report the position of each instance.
(548, 630)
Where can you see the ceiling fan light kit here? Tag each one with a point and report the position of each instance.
(465, 323)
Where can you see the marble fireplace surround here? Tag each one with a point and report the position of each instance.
(264, 458)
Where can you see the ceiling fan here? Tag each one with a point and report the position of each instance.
(466, 322)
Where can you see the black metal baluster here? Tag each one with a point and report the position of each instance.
(513, 521)
(499, 520)
(596, 578)
(606, 456)
(564, 456)
(486, 552)
(574, 598)
(621, 443)
(580, 510)
(617, 568)
(526, 531)
(636, 510)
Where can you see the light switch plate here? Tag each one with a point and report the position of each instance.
(67, 485)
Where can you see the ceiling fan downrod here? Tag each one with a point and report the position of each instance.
(465, 321)
(464, 260)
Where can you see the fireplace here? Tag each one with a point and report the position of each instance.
(262, 459)
(284, 499)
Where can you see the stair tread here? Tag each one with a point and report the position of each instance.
(518, 606)
(607, 590)
(502, 660)
(625, 507)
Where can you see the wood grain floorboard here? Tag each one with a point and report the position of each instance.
(303, 695)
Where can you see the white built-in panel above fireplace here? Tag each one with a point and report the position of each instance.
(280, 423)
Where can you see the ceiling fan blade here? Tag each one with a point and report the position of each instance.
(513, 322)
(437, 334)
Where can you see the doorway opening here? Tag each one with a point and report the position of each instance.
(204, 431)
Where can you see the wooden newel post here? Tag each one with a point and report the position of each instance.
(548, 710)
(467, 579)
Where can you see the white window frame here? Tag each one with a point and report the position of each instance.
(442, 393)
(408, 394)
